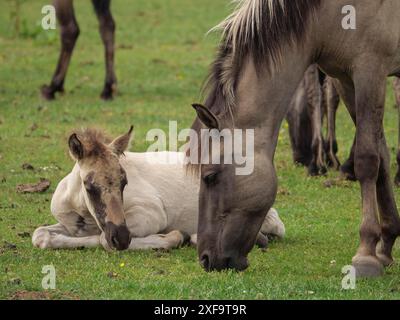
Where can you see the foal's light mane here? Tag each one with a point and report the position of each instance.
(95, 142)
(257, 29)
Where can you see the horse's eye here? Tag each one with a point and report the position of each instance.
(124, 183)
(211, 179)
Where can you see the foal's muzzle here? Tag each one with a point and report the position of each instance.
(118, 237)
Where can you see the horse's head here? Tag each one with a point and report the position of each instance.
(232, 206)
(103, 181)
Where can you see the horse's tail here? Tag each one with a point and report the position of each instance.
(101, 6)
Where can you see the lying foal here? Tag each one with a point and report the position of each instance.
(95, 205)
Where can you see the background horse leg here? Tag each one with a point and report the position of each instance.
(314, 98)
(370, 91)
(58, 237)
(332, 103)
(300, 128)
(69, 34)
(396, 88)
(107, 31)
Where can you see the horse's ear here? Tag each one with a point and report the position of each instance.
(122, 143)
(76, 148)
(206, 117)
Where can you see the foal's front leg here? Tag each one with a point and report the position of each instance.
(172, 240)
(58, 237)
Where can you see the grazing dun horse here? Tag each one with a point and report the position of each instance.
(69, 31)
(266, 48)
(123, 200)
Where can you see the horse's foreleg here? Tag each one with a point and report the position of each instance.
(58, 237)
(314, 96)
(370, 91)
(396, 88)
(107, 31)
(69, 34)
(332, 104)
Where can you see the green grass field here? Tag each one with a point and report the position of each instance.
(162, 59)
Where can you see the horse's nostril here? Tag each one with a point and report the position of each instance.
(205, 261)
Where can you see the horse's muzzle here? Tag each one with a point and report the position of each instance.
(211, 262)
(118, 237)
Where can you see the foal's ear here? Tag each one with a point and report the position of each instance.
(76, 147)
(206, 117)
(122, 143)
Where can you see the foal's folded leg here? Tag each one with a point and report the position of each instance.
(273, 225)
(58, 237)
(172, 240)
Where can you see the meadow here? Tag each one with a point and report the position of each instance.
(162, 59)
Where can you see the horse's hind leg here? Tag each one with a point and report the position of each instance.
(396, 88)
(58, 237)
(314, 95)
(107, 31)
(390, 222)
(69, 34)
(332, 103)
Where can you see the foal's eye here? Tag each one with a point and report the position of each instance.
(88, 186)
(210, 179)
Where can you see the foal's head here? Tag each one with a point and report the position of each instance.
(103, 181)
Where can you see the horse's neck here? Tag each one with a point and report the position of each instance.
(263, 97)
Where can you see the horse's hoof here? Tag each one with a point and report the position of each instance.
(348, 172)
(47, 93)
(106, 96)
(367, 267)
(108, 92)
(316, 171)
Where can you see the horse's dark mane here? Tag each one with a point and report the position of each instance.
(258, 29)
